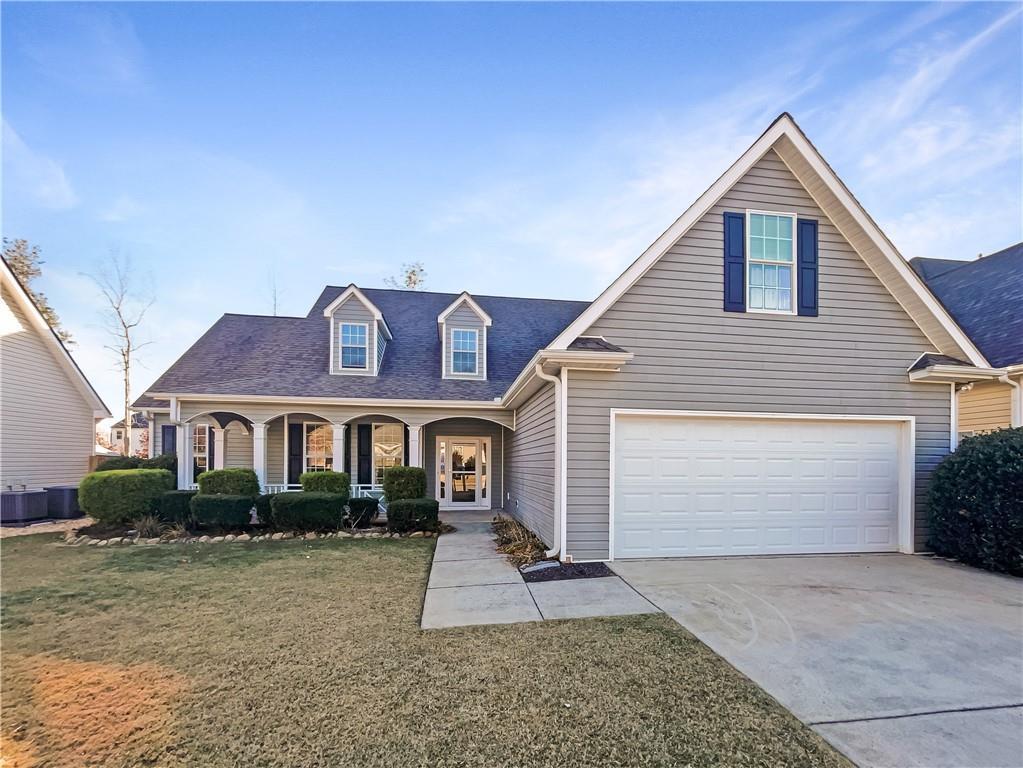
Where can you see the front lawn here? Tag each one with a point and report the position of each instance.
(309, 653)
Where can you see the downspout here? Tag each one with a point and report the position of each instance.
(1016, 406)
(558, 469)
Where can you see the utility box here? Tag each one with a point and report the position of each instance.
(22, 506)
(62, 502)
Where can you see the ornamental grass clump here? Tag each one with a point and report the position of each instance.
(520, 544)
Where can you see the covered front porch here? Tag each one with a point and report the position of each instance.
(462, 450)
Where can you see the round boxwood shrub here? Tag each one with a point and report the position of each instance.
(222, 510)
(406, 515)
(121, 495)
(119, 462)
(308, 510)
(264, 510)
(233, 482)
(175, 507)
(404, 483)
(361, 512)
(975, 502)
(326, 482)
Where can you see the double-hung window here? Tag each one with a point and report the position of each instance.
(354, 344)
(200, 449)
(319, 448)
(770, 255)
(464, 350)
(388, 448)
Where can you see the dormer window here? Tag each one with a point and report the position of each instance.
(464, 351)
(354, 346)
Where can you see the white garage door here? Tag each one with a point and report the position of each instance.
(690, 486)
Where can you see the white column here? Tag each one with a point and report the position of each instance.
(259, 452)
(415, 458)
(183, 433)
(218, 447)
(337, 446)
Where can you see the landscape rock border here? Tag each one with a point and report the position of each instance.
(71, 539)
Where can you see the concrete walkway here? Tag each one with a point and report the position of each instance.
(472, 583)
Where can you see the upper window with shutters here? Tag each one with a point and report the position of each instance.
(770, 263)
(463, 327)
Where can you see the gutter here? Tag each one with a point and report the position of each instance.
(559, 422)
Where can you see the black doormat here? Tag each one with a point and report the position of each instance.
(568, 571)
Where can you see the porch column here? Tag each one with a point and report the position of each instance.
(259, 452)
(415, 457)
(218, 447)
(337, 446)
(183, 435)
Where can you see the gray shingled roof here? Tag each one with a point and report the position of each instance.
(594, 344)
(930, 358)
(985, 297)
(288, 356)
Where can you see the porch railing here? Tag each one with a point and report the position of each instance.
(359, 491)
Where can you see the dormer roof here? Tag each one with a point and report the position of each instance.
(465, 298)
(352, 291)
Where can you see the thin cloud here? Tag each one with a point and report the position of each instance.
(34, 175)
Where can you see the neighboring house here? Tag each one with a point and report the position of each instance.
(137, 439)
(48, 409)
(742, 388)
(985, 297)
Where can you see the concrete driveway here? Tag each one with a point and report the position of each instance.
(896, 660)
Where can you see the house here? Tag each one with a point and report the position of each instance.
(138, 438)
(985, 298)
(48, 409)
(744, 387)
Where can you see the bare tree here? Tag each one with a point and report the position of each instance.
(412, 277)
(26, 263)
(273, 290)
(125, 307)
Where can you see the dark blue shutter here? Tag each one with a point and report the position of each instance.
(168, 438)
(365, 454)
(806, 267)
(735, 262)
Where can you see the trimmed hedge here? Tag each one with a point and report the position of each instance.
(121, 495)
(361, 512)
(326, 482)
(230, 482)
(406, 515)
(166, 461)
(223, 510)
(119, 462)
(175, 507)
(264, 511)
(308, 510)
(975, 502)
(404, 483)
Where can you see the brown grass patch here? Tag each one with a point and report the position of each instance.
(90, 713)
(518, 542)
(17, 754)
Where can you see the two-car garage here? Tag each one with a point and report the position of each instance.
(711, 484)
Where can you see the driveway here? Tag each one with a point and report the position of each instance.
(896, 660)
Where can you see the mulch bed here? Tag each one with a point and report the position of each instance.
(569, 571)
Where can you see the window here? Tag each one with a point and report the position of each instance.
(319, 447)
(463, 350)
(354, 345)
(200, 448)
(769, 261)
(388, 448)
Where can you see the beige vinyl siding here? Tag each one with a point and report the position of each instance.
(47, 427)
(237, 447)
(354, 311)
(275, 451)
(691, 355)
(529, 464)
(156, 424)
(466, 319)
(987, 406)
(466, 428)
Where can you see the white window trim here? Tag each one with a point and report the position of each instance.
(205, 429)
(794, 298)
(373, 447)
(340, 344)
(485, 444)
(465, 374)
(305, 446)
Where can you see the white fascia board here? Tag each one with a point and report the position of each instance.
(958, 373)
(465, 298)
(572, 358)
(50, 339)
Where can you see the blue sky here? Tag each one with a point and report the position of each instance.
(521, 149)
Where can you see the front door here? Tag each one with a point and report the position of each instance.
(463, 472)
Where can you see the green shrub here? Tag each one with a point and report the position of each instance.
(175, 507)
(975, 502)
(119, 462)
(121, 495)
(406, 515)
(232, 482)
(264, 510)
(166, 461)
(361, 512)
(222, 510)
(308, 510)
(326, 482)
(404, 483)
